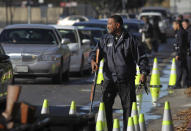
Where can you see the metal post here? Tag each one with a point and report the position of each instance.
(175, 6)
(124, 2)
(29, 11)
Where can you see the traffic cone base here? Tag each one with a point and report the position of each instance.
(155, 93)
(101, 116)
(99, 126)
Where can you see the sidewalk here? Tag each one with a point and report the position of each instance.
(179, 102)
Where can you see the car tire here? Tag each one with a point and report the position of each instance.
(57, 79)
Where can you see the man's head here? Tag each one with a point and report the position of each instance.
(176, 25)
(185, 24)
(115, 24)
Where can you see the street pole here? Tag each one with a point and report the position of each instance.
(124, 2)
(175, 7)
(29, 11)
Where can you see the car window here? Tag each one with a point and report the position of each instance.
(69, 34)
(28, 36)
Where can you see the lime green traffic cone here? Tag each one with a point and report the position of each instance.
(155, 82)
(136, 123)
(138, 76)
(134, 110)
(142, 122)
(72, 108)
(172, 79)
(101, 116)
(167, 124)
(100, 78)
(130, 126)
(45, 107)
(116, 126)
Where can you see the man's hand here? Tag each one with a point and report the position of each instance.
(94, 66)
(143, 78)
(177, 57)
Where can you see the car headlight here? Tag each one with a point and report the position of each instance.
(49, 58)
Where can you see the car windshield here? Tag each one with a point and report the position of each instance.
(69, 34)
(28, 36)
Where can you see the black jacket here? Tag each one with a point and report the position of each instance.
(181, 38)
(189, 39)
(148, 30)
(120, 57)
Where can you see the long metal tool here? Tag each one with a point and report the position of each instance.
(94, 82)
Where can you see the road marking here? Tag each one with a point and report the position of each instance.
(188, 105)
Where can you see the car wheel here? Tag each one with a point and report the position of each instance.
(57, 79)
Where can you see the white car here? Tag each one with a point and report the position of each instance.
(70, 20)
(79, 45)
(164, 23)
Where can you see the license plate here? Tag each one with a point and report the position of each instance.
(21, 69)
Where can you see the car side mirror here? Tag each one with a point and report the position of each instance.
(4, 58)
(86, 42)
(65, 41)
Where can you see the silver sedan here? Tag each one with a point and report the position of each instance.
(36, 51)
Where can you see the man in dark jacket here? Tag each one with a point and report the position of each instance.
(121, 52)
(180, 47)
(187, 27)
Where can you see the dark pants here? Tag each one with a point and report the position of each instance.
(182, 73)
(126, 92)
(189, 70)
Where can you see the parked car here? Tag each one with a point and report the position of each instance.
(36, 51)
(164, 24)
(92, 33)
(70, 20)
(163, 11)
(132, 25)
(79, 45)
(6, 74)
(92, 23)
